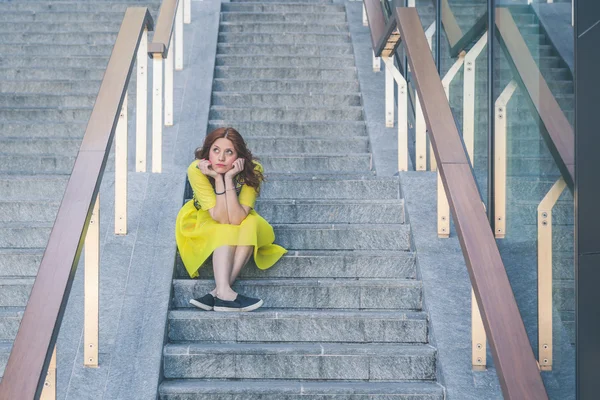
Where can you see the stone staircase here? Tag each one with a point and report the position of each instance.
(343, 315)
(52, 59)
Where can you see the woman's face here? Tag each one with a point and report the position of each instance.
(222, 154)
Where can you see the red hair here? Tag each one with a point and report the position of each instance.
(249, 175)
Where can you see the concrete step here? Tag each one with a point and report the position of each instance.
(297, 326)
(307, 49)
(61, 50)
(46, 130)
(9, 27)
(326, 264)
(356, 144)
(20, 262)
(57, 146)
(257, 17)
(283, 6)
(62, 16)
(307, 163)
(283, 186)
(29, 100)
(52, 73)
(283, 86)
(32, 187)
(277, 27)
(5, 349)
(87, 87)
(305, 293)
(10, 319)
(523, 237)
(284, 38)
(36, 163)
(28, 210)
(282, 114)
(343, 237)
(320, 129)
(25, 235)
(332, 212)
(279, 1)
(14, 292)
(329, 74)
(73, 6)
(283, 61)
(45, 114)
(373, 362)
(563, 295)
(198, 389)
(233, 99)
(79, 38)
(17, 61)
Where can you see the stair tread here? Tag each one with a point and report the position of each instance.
(322, 282)
(400, 315)
(297, 387)
(378, 349)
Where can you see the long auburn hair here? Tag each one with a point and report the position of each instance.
(249, 175)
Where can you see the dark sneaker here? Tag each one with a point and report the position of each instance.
(206, 302)
(241, 303)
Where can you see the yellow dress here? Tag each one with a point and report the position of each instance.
(198, 235)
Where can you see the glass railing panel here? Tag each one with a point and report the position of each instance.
(534, 208)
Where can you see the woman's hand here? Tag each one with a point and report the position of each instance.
(206, 168)
(236, 168)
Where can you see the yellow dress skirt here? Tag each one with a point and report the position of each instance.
(198, 235)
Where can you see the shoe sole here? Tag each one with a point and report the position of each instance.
(243, 309)
(200, 305)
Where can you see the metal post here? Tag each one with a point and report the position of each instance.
(376, 63)
(157, 110)
(443, 208)
(429, 35)
(402, 113)
(121, 171)
(469, 96)
(544, 218)
(141, 104)
(389, 96)
(49, 390)
(491, 121)
(438, 36)
(179, 36)
(187, 11)
(478, 337)
(169, 85)
(501, 115)
(420, 137)
(365, 19)
(91, 288)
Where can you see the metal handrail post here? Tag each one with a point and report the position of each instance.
(501, 115)
(402, 112)
(544, 217)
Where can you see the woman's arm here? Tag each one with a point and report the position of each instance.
(235, 211)
(220, 211)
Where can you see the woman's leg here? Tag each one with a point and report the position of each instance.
(223, 260)
(241, 257)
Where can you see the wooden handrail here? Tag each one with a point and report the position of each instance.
(557, 131)
(165, 23)
(28, 362)
(513, 356)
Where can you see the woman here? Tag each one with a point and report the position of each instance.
(220, 219)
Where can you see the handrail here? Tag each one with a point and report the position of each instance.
(165, 23)
(384, 36)
(514, 359)
(456, 39)
(33, 347)
(558, 132)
